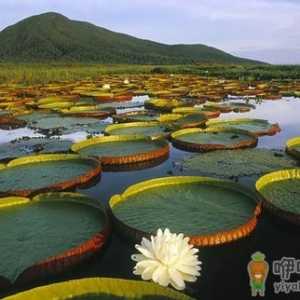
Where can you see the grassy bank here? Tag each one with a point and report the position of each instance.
(45, 73)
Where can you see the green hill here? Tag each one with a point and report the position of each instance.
(54, 37)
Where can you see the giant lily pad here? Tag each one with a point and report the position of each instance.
(48, 234)
(236, 163)
(101, 288)
(116, 150)
(293, 147)
(65, 125)
(281, 192)
(31, 174)
(256, 126)
(210, 211)
(153, 129)
(27, 146)
(195, 139)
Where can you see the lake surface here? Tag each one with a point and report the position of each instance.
(224, 273)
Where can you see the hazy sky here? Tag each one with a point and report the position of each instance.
(261, 29)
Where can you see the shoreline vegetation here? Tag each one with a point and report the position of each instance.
(46, 73)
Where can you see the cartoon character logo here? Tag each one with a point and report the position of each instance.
(258, 270)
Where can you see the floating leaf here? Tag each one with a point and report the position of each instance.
(210, 211)
(117, 150)
(281, 191)
(28, 146)
(215, 138)
(256, 126)
(153, 129)
(48, 234)
(101, 288)
(29, 174)
(236, 163)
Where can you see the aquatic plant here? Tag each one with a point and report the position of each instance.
(166, 259)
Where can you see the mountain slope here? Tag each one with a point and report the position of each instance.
(52, 36)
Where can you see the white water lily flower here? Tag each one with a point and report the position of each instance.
(106, 86)
(167, 259)
(126, 81)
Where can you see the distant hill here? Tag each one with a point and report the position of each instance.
(54, 37)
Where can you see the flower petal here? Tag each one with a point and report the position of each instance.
(137, 257)
(144, 251)
(189, 278)
(188, 270)
(176, 279)
(148, 272)
(164, 278)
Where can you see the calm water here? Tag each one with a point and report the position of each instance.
(224, 268)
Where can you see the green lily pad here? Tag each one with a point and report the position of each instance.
(36, 116)
(61, 122)
(236, 163)
(33, 231)
(196, 109)
(101, 288)
(122, 149)
(153, 129)
(293, 147)
(281, 191)
(66, 125)
(189, 121)
(88, 111)
(28, 146)
(256, 126)
(204, 206)
(195, 139)
(241, 106)
(136, 116)
(165, 105)
(222, 107)
(30, 174)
